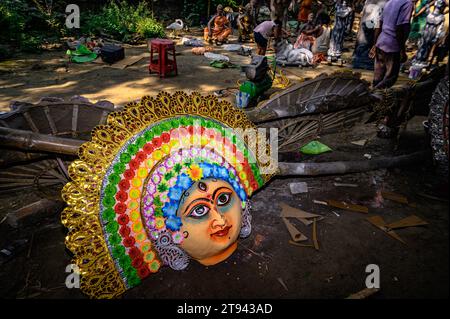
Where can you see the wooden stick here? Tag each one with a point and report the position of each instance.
(315, 241)
(38, 142)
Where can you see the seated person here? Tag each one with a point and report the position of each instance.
(309, 25)
(306, 37)
(221, 30)
(321, 34)
(262, 34)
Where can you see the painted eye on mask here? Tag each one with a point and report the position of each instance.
(199, 211)
(223, 199)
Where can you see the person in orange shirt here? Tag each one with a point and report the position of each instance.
(221, 30)
(305, 10)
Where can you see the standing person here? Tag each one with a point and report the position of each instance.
(252, 9)
(342, 17)
(245, 25)
(389, 51)
(262, 34)
(304, 11)
(221, 29)
(365, 39)
(279, 11)
(419, 19)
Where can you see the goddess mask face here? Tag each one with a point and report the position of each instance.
(211, 214)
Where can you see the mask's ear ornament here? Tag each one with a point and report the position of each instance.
(166, 180)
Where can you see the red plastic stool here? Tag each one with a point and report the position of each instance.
(162, 57)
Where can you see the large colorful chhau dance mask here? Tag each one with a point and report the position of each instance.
(165, 180)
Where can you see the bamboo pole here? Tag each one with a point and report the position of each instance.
(29, 141)
(332, 168)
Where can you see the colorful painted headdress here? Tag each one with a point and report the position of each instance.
(127, 185)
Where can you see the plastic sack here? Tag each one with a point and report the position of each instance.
(314, 148)
(242, 99)
(216, 57)
(81, 55)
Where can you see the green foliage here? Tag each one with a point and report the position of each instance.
(25, 24)
(121, 20)
(150, 28)
(195, 10)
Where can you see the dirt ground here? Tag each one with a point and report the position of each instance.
(33, 76)
(265, 264)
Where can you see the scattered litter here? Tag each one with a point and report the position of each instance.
(201, 50)
(368, 156)
(329, 279)
(245, 51)
(335, 213)
(345, 185)
(81, 55)
(363, 294)
(282, 283)
(347, 206)
(378, 222)
(295, 234)
(258, 240)
(127, 62)
(191, 42)
(410, 221)
(300, 245)
(11, 250)
(320, 202)
(232, 47)
(298, 188)
(395, 279)
(216, 57)
(394, 197)
(314, 148)
(292, 212)
(315, 241)
(359, 142)
(222, 64)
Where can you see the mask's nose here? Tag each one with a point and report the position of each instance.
(218, 219)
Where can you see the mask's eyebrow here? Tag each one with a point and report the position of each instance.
(214, 193)
(194, 201)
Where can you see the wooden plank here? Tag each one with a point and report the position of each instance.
(295, 234)
(30, 122)
(122, 64)
(300, 245)
(51, 123)
(378, 222)
(301, 215)
(74, 120)
(410, 221)
(346, 206)
(315, 241)
(394, 197)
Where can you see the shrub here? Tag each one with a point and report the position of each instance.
(149, 28)
(25, 25)
(121, 20)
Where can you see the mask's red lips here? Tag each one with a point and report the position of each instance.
(223, 232)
